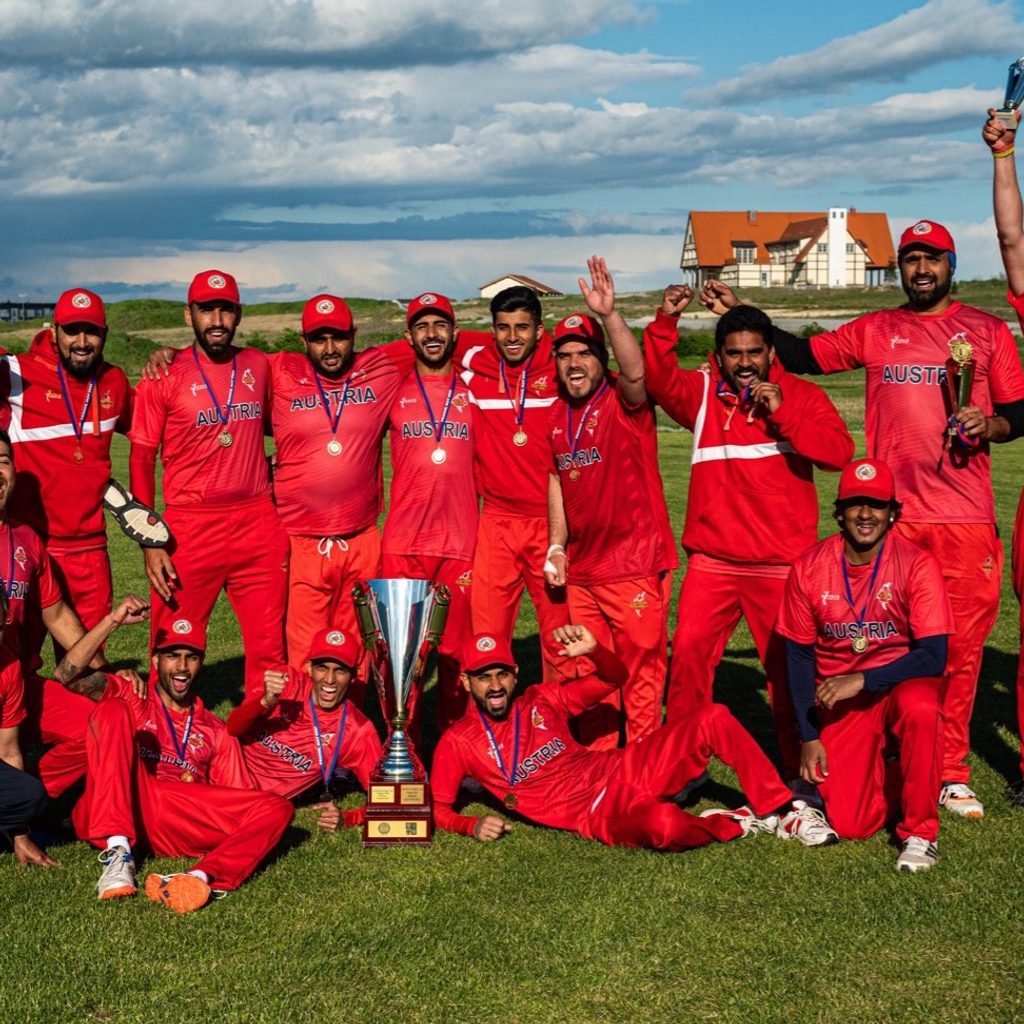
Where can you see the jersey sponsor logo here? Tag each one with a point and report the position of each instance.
(875, 630)
(403, 402)
(249, 379)
(355, 396)
(238, 411)
(913, 373)
(639, 603)
(897, 340)
(424, 428)
(584, 457)
(556, 431)
(196, 386)
(52, 395)
(826, 597)
(294, 758)
(532, 763)
(884, 595)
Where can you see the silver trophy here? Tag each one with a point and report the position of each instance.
(1006, 114)
(401, 620)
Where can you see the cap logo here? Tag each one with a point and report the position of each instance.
(216, 281)
(573, 321)
(335, 638)
(486, 643)
(80, 300)
(325, 306)
(865, 472)
(182, 626)
(922, 228)
(427, 299)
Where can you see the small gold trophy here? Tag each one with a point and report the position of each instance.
(959, 377)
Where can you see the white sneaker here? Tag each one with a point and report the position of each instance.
(917, 854)
(118, 876)
(745, 818)
(959, 798)
(808, 825)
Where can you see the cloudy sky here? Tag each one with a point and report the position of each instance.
(384, 147)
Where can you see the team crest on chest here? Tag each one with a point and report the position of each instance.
(19, 555)
(460, 401)
(249, 379)
(884, 595)
(196, 741)
(106, 401)
(540, 385)
(537, 719)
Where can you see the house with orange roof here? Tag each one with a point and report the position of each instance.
(499, 284)
(838, 248)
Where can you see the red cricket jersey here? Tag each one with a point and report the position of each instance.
(59, 495)
(433, 509)
(24, 567)
(556, 780)
(12, 691)
(512, 479)
(211, 755)
(906, 407)
(178, 414)
(280, 745)
(320, 494)
(611, 489)
(907, 600)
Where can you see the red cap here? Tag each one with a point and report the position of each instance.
(929, 234)
(80, 306)
(586, 328)
(210, 285)
(326, 311)
(485, 650)
(183, 633)
(429, 302)
(867, 478)
(334, 645)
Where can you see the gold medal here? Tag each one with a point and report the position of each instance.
(859, 644)
(79, 455)
(187, 776)
(511, 801)
(334, 447)
(519, 438)
(437, 456)
(225, 439)
(574, 474)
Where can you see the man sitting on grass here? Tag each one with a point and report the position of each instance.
(521, 751)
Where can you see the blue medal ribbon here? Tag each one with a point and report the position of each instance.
(510, 774)
(583, 419)
(334, 419)
(180, 748)
(438, 428)
(224, 418)
(871, 587)
(327, 770)
(520, 409)
(77, 424)
(725, 393)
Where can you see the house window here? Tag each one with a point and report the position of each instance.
(744, 253)
(821, 247)
(849, 248)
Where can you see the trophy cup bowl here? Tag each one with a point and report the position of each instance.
(1006, 114)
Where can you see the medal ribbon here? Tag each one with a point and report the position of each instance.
(583, 419)
(871, 586)
(509, 776)
(520, 408)
(181, 748)
(77, 423)
(327, 770)
(334, 419)
(437, 428)
(725, 394)
(225, 417)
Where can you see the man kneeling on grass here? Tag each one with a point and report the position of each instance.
(163, 771)
(521, 750)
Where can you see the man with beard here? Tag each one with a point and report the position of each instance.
(522, 752)
(206, 416)
(939, 455)
(430, 527)
(758, 434)
(61, 403)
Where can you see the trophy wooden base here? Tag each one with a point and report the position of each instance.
(398, 814)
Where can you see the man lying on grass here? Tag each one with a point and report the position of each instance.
(521, 750)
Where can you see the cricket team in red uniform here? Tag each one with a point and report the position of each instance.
(519, 460)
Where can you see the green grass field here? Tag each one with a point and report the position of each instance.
(543, 926)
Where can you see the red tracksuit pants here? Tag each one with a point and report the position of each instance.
(510, 554)
(1017, 568)
(636, 810)
(972, 565)
(863, 792)
(630, 618)
(230, 830)
(457, 575)
(710, 606)
(242, 550)
(56, 716)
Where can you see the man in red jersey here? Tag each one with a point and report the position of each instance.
(512, 377)
(303, 731)
(522, 751)
(163, 772)
(610, 540)
(938, 456)
(431, 523)
(758, 434)
(206, 417)
(867, 622)
(1009, 216)
(61, 403)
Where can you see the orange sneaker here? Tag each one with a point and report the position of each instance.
(181, 892)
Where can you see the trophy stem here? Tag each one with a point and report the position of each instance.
(398, 764)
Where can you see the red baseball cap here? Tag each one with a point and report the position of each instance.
(928, 234)
(485, 650)
(429, 302)
(182, 633)
(334, 645)
(326, 311)
(585, 328)
(210, 285)
(867, 478)
(80, 306)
